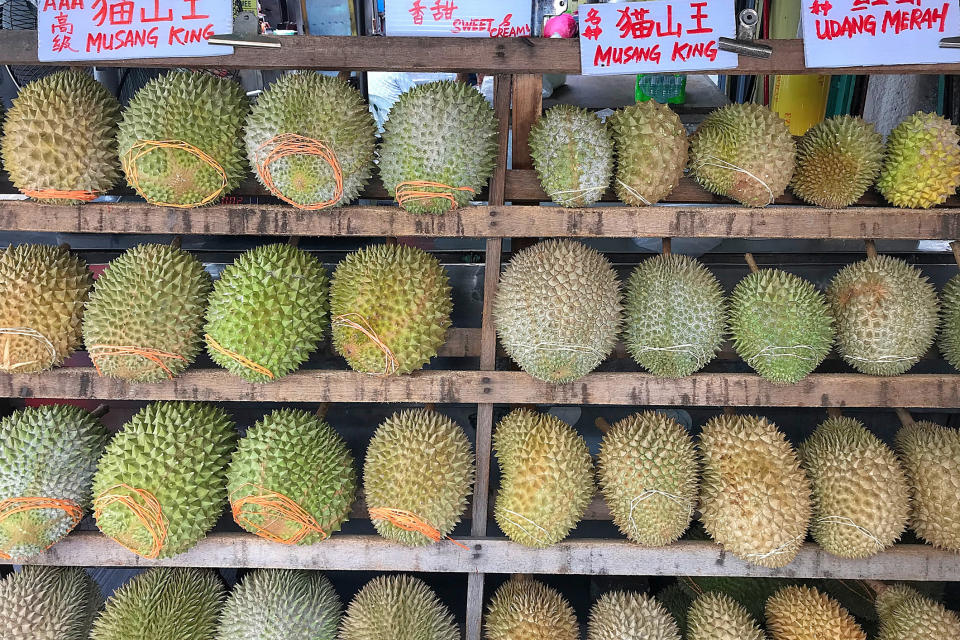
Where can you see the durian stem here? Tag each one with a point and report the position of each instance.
(955, 246)
(905, 418)
(751, 262)
(65, 246)
(602, 424)
(729, 411)
(321, 411)
(429, 406)
(294, 241)
(871, 248)
(666, 246)
(876, 586)
(100, 411)
(176, 242)
(835, 412)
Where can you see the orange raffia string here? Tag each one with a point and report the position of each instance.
(144, 147)
(276, 508)
(155, 356)
(391, 364)
(290, 144)
(57, 194)
(411, 522)
(247, 362)
(10, 506)
(149, 513)
(413, 191)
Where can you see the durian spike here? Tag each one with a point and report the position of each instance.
(666, 246)
(871, 248)
(751, 262)
(955, 246)
(905, 418)
(100, 411)
(602, 424)
(176, 242)
(834, 412)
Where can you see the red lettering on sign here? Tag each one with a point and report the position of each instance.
(193, 15)
(121, 39)
(684, 51)
(156, 17)
(61, 24)
(698, 16)
(915, 20)
(612, 56)
(443, 10)
(62, 5)
(417, 11)
(593, 31)
(116, 13)
(61, 43)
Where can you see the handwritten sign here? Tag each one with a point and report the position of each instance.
(878, 32)
(657, 36)
(123, 29)
(462, 18)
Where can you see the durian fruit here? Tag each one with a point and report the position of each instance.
(441, 133)
(60, 135)
(754, 498)
(398, 607)
(324, 109)
(922, 164)
(546, 478)
(163, 603)
(43, 290)
(526, 609)
(51, 453)
(803, 613)
(48, 603)
(390, 307)
(931, 456)
(267, 312)
(950, 320)
(676, 601)
(557, 310)
(744, 152)
(291, 456)
(905, 614)
(651, 147)
(573, 154)
(780, 324)
(837, 161)
(750, 593)
(281, 604)
(861, 499)
(152, 298)
(647, 471)
(717, 616)
(199, 112)
(161, 485)
(626, 615)
(675, 315)
(418, 461)
(886, 315)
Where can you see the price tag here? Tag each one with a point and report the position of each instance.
(878, 32)
(123, 29)
(461, 18)
(658, 36)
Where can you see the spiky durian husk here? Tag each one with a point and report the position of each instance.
(625, 615)
(717, 616)
(48, 603)
(755, 498)
(152, 297)
(557, 310)
(837, 161)
(676, 601)
(281, 604)
(744, 152)
(803, 613)
(60, 135)
(525, 609)
(861, 500)
(922, 164)
(196, 108)
(397, 607)
(886, 315)
(930, 453)
(905, 614)
(398, 293)
(750, 593)
(418, 461)
(178, 452)
(950, 321)
(269, 306)
(780, 324)
(48, 452)
(298, 455)
(443, 132)
(675, 315)
(651, 147)
(546, 478)
(323, 108)
(647, 471)
(181, 604)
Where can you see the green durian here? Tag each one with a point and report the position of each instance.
(152, 297)
(557, 310)
(744, 152)
(269, 307)
(803, 613)
(198, 109)
(175, 453)
(676, 601)
(48, 603)
(675, 315)
(546, 478)
(573, 155)
(444, 133)
(60, 135)
(717, 616)
(46, 452)
(922, 164)
(322, 108)
(749, 593)
(625, 615)
(398, 607)
(905, 614)
(950, 320)
(293, 453)
(418, 461)
(837, 161)
(651, 147)
(526, 609)
(43, 290)
(390, 307)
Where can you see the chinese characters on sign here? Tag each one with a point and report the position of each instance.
(878, 32)
(655, 37)
(120, 29)
(465, 18)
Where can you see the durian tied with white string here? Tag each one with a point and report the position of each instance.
(651, 150)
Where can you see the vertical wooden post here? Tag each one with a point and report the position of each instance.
(527, 105)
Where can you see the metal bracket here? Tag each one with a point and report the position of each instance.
(950, 43)
(748, 24)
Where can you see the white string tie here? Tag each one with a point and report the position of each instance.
(633, 192)
(847, 522)
(649, 493)
(524, 529)
(782, 549)
(723, 164)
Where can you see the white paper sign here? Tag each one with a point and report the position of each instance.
(656, 36)
(123, 29)
(878, 32)
(462, 18)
